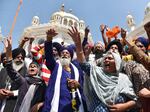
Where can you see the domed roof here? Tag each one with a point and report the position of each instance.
(147, 9)
(65, 14)
(129, 16)
(62, 13)
(36, 17)
(81, 21)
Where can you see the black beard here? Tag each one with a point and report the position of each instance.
(98, 55)
(17, 66)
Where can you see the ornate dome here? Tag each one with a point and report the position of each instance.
(147, 9)
(64, 14)
(129, 16)
(81, 21)
(35, 21)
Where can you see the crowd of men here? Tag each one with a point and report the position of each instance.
(108, 76)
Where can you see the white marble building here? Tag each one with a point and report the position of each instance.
(61, 21)
(136, 31)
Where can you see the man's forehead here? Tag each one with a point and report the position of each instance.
(65, 50)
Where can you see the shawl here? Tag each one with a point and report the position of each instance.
(56, 96)
(33, 81)
(108, 86)
(25, 105)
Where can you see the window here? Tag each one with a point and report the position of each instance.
(70, 23)
(75, 24)
(65, 22)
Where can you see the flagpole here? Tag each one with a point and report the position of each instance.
(14, 21)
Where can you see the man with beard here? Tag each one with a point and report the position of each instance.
(64, 92)
(4, 79)
(31, 87)
(18, 55)
(98, 51)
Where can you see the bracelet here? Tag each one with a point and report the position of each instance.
(80, 52)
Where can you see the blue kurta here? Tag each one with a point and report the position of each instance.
(65, 95)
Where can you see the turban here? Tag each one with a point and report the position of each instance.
(18, 51)
(115, 42)
(143, 40)
(100, 43)
(57, 46)
(69, 49)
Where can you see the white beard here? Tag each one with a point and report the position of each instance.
(65, 61)
(17, 67)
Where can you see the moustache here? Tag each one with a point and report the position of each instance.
(19, 62)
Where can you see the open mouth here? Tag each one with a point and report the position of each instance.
(64, 57)
(107, 65)
(32, 70)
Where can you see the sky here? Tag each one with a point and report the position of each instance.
(93, 12)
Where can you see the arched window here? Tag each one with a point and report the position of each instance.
(75, 24)
(54, 17)
(70, 23)
(81, 25)
(65, 22)
(57, 18)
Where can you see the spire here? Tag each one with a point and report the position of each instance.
(62, 7)
(130, 21)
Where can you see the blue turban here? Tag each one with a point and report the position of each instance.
(143, 40)
(68, 48)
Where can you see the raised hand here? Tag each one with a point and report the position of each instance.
(75, 35)
(123, 33)
(102, 27)
(147, 29)
(23, 41)
(73, 32)
(8, 48)
(87, 30)
(50, 34)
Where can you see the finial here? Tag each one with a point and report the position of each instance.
(62, 7)
(129, 13)
(70, 10)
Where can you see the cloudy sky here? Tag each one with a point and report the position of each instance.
(93, 12)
